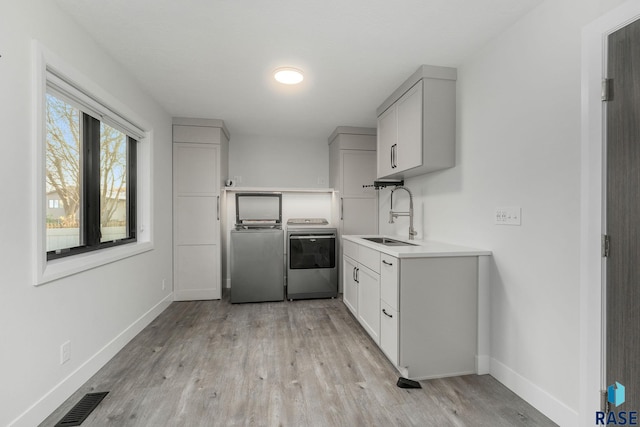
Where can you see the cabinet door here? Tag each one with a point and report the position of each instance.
(389, 280)
(197, 272)
(387, 141)
(359, 216)
(369, 301)
(358, 169)
(196, 221)
(409, 117)
(350, 292)
(389, 332)
(195, 169)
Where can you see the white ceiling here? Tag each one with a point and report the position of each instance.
(214, 58)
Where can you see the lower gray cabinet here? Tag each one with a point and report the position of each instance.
(421, 311)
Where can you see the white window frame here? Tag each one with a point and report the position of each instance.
(52, 270)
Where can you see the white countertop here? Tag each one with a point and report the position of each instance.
(423, 248)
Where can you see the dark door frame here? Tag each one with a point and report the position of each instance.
(592, 209)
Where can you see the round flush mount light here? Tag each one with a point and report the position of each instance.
(288, 75)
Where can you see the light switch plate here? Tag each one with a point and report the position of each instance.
(65, 352)
(508, 215)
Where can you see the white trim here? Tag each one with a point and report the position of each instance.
(47, 271)
(61, 392)
(592, 202)
(483, 364)
(483, 358)
(278, 189)
(544, 402)
(63, 267)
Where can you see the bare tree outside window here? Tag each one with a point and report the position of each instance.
(63, 174)
(64, 182)
(113, 180)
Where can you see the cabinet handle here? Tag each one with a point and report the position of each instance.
(357, 275)
(387, 263)
(394, 156)
(386, 314)
(355, 279)
(218, 208)
(391, 156)
(341, 208)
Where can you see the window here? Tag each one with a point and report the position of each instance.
(93, 172)
(90, 173)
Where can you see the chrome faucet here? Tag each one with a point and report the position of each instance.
(393, 215)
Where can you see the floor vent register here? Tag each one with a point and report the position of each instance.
(82, 409)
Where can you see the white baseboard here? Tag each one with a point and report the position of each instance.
(61, 392)
(544, 402)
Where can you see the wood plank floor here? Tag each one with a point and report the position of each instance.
(301, 363)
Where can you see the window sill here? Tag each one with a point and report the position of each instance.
(63, 267)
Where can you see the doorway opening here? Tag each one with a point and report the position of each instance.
(593, 214)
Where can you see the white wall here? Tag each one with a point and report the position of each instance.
(518, 132)
(285, 162)
(97, 310)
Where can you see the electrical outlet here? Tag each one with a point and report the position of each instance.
(65, 352)
(238, 179)
(508, 216)
(322, 180)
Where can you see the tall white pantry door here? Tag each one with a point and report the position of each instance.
(196, 221)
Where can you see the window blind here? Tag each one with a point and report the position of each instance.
(61, 86)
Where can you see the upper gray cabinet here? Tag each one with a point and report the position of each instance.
(417, 125)
(352, 164)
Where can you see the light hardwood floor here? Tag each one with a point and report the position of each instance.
(301, 363)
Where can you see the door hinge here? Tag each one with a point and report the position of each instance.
(605, 406)
(606, 245)
(607, 90)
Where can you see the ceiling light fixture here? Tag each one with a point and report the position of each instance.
(288, 75)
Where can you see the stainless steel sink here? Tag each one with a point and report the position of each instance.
(388, 242)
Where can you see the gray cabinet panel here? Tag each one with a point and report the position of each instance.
(199, 157)
(358, 169)
(439, 316)
(357, 216)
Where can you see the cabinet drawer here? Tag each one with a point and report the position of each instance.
(369, 257)
(389, 280)
(350, 249)
(389, 332)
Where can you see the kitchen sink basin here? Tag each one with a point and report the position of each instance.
(388, 242)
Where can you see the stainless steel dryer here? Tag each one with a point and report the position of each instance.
(312, 270)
